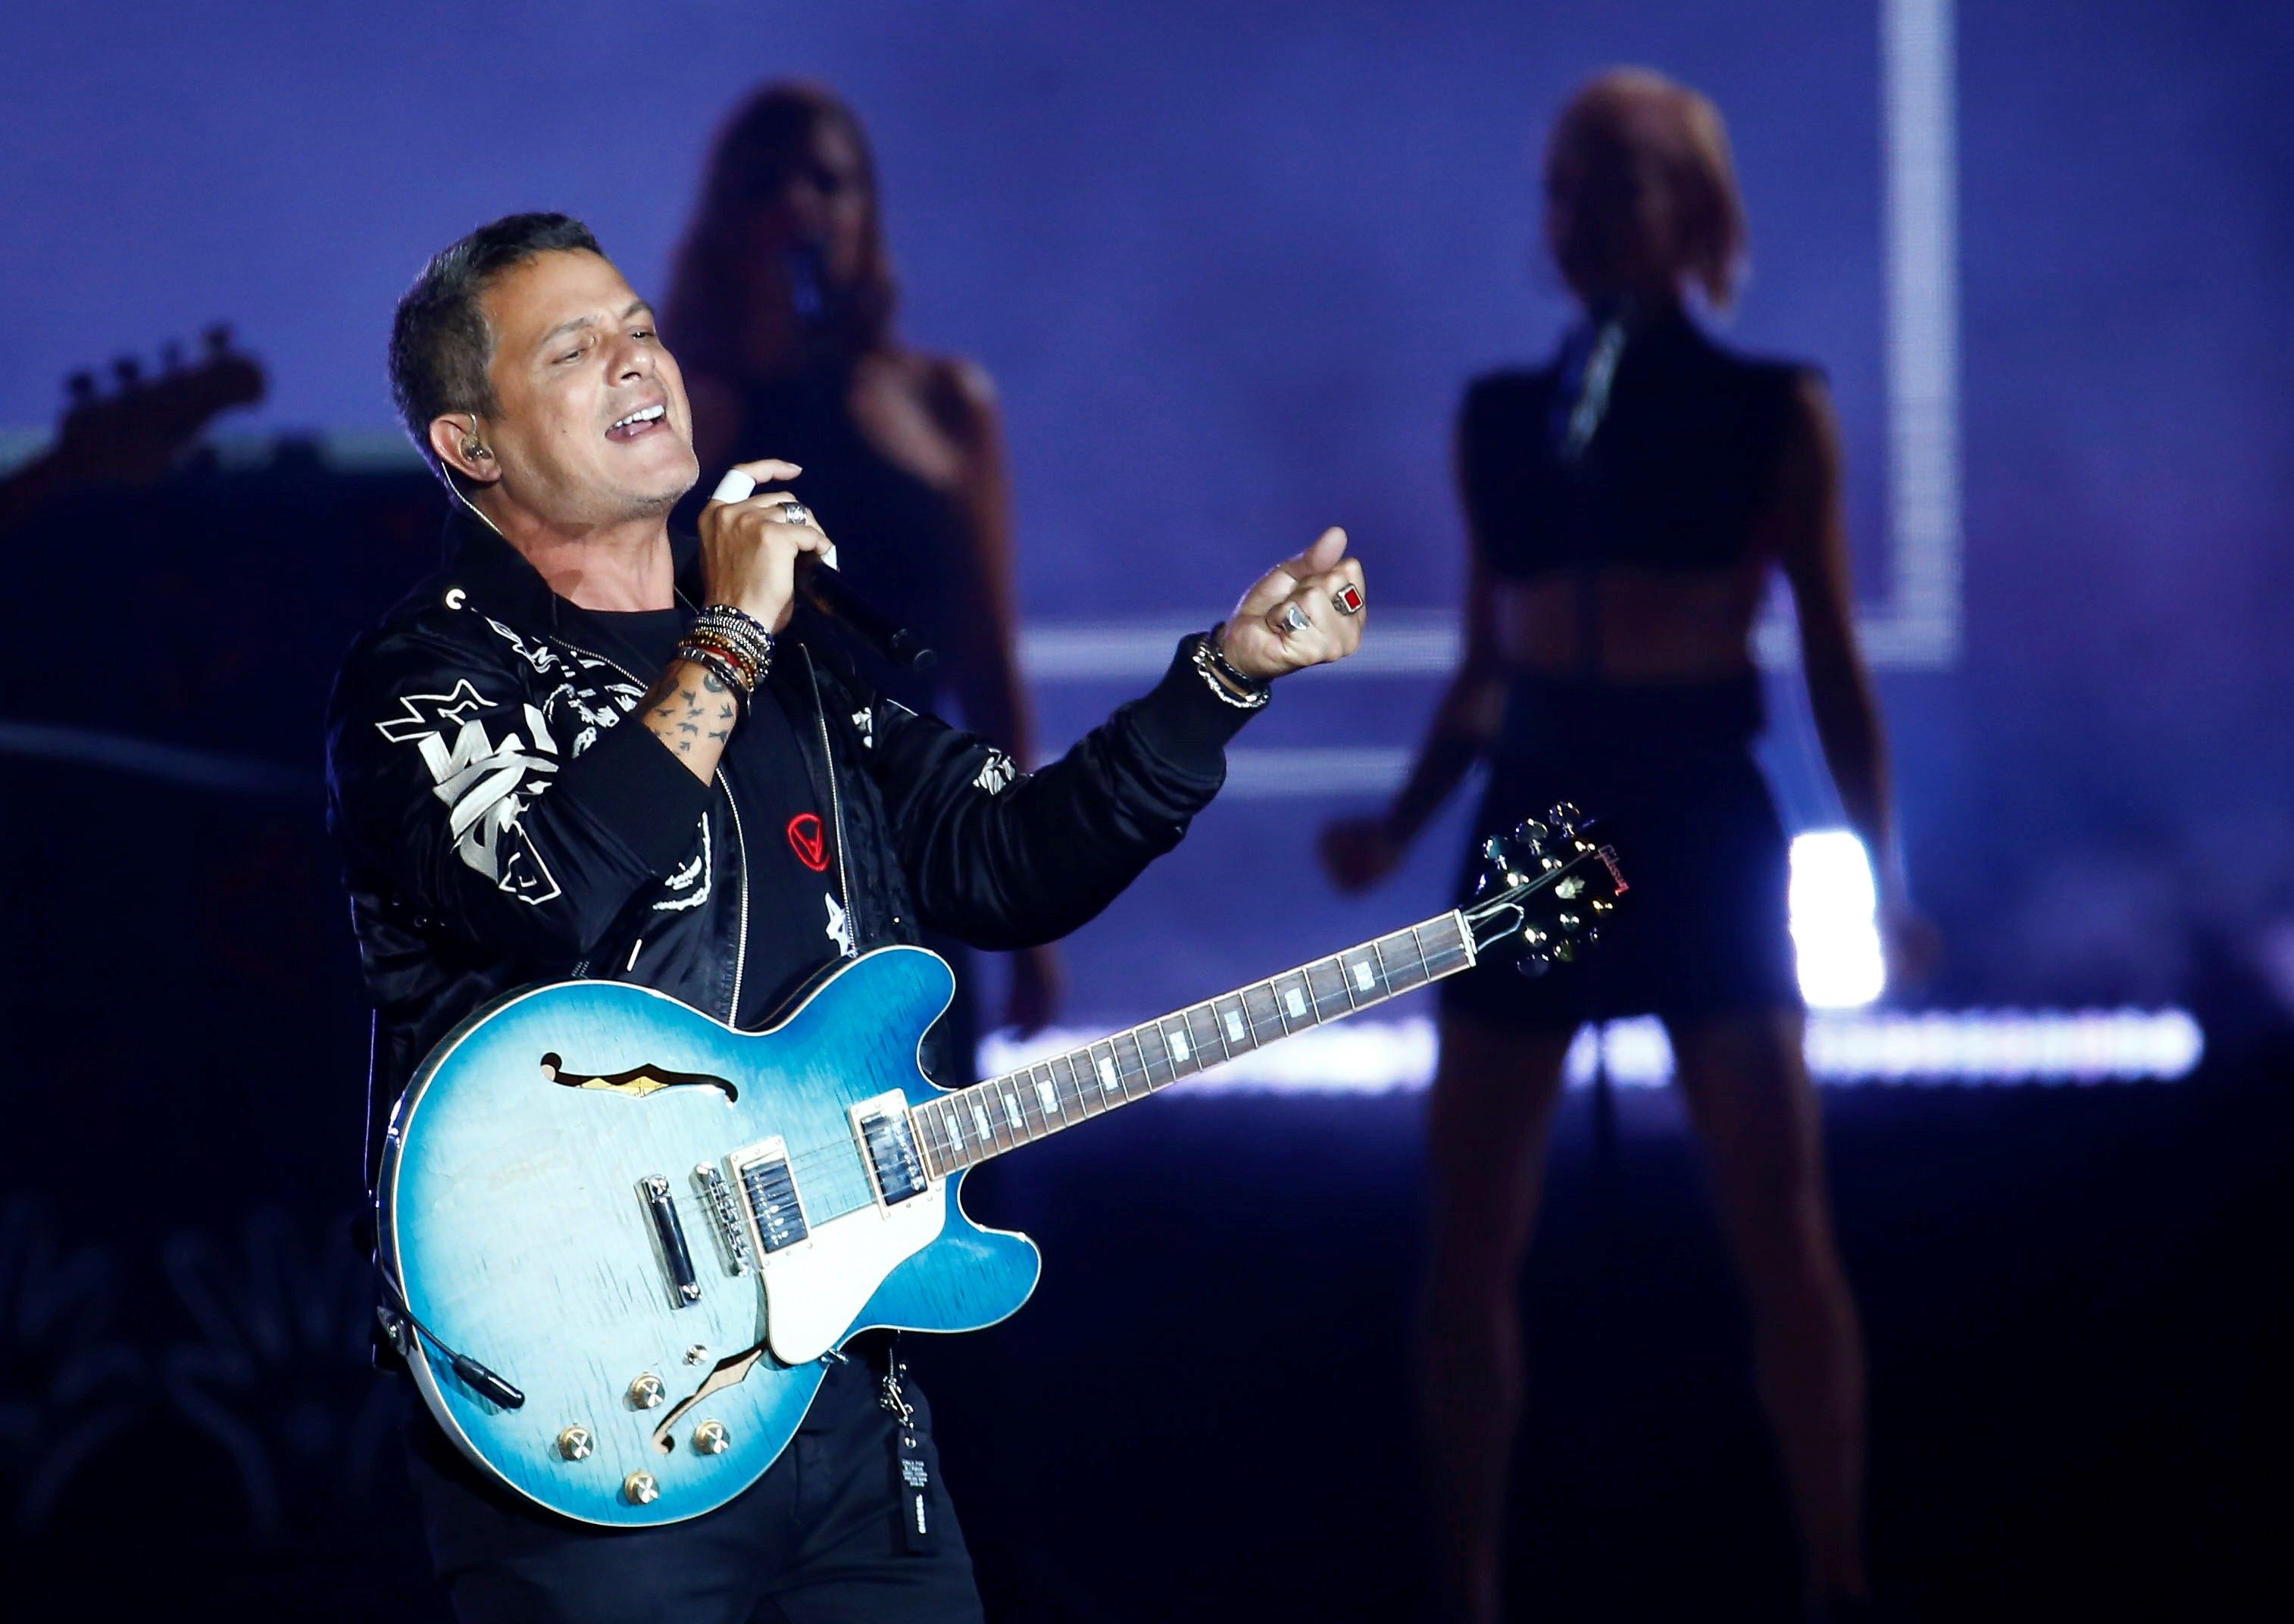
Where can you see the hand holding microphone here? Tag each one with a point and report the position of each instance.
(751, 541)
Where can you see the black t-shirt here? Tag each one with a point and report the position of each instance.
(797, 921)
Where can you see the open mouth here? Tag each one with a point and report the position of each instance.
(643, 421)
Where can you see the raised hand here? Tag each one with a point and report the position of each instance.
(749, 548)
(1291, 617)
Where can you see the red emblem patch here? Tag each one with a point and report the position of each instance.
(806, 840)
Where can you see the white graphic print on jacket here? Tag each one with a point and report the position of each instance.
(486, 784)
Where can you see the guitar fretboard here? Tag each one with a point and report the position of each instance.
(965, 1127)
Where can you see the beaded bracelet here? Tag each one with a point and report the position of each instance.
(720, 666)
(1222, 679)
(1227, 668)
(739, 654)
(740, 631)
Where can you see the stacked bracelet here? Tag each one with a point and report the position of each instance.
(721, 666)
(730, 644)
(1220, 677)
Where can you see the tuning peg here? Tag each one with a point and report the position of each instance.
(127, 369)
(171, 356)
(1532, 834)
(1563, 816)
(81, 387)
(218, 337)
(1498, 868)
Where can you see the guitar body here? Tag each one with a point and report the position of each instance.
(630, 1236)
(552, 1162)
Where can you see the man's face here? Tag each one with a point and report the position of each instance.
(591, 424)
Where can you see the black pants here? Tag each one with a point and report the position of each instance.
(815, 1540)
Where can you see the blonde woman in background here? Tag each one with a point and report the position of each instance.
(1627, 503)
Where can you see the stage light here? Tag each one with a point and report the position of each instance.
(1834, 936)
(1968, 1048)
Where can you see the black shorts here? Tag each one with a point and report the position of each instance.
(1704, 929)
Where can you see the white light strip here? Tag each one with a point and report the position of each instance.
(1921, 255)
(1407, 643)
(1963, 1047)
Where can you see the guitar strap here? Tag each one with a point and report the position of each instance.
(911, 1473)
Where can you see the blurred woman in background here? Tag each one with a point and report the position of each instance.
(781, 303)
(1627, 503)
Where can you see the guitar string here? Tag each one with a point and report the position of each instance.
(1022, 1082)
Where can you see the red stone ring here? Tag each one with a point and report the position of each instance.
(1348, 598)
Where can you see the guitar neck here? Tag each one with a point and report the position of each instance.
(966, 1126)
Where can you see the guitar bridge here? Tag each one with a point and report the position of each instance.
(732, 1235)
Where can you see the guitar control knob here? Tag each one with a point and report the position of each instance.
(647, 1392)
(574, 1443)
(711, 1438)
(641, 1488)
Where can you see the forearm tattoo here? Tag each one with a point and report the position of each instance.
(689, 705)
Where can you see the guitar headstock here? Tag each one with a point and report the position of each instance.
(1544, 890)
(136, 428)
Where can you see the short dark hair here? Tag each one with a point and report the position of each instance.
(440, 343)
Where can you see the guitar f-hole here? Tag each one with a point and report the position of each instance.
(730, 1372)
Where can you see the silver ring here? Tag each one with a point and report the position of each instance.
(1293, 621)
(792, 512)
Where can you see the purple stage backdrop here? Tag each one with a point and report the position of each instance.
(1230, 266)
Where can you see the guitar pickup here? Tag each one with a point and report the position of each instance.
(769, 1190)
(669, 1234)
(887, 1143)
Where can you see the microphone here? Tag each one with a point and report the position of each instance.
(829, 593)
(808, 284)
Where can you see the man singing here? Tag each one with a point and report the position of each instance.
(590, 748)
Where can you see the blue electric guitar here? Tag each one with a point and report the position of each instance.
(625, 1238)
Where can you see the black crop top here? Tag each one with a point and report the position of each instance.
(1682, 459)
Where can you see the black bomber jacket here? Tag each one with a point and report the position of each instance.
(504, 819)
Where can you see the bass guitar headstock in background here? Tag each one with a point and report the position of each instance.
(136, 427)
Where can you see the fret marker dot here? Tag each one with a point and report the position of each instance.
(1012, 1107)
(1295, 1001)
(1107, 1078)
(1051, 1102)
(1178, 1045)
(1363, 977)
(1234, 1026)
